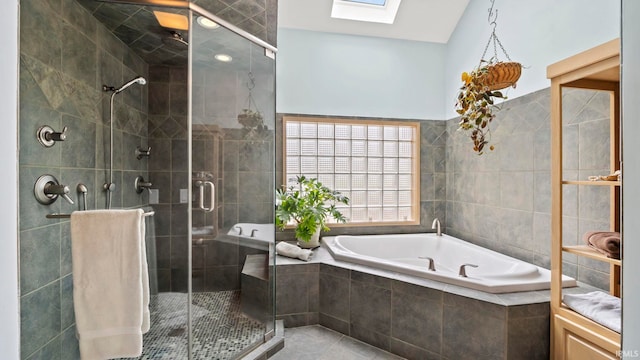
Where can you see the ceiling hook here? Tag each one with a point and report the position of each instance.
(493, 16)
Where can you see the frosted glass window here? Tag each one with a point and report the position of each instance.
(308, 130)
(369, 161)
(374, 182)
(405, 166)
(358, 148)
(325, 131)
(359, 164)
(374, 133)
(293, 147)
(391, 148)
(325, 147)
(375, 148)
(405, 149)
(308, 164)
(308, 147)
(293, 130)
(358, 132)
(343, 148)
(391, 133)
(359, 181)
(342, 131)
(325, 165)
(343, 165)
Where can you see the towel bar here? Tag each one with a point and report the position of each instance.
(67, 216)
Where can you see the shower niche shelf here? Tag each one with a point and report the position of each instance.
(573, 335)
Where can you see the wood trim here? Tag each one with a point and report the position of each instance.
(556, 193)
(589, 71)
(415, 194)
(585, 58)
(417, 174)
(595, 69)
(591, 183)
(590, 330)
(589, 84)
(348, 120)
(584, 250)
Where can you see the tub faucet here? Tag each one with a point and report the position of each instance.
(253, 232)
(436, 225)
(432, 266)
(239, 229)
(463, 271)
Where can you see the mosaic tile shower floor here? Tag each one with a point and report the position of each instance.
(220, 330)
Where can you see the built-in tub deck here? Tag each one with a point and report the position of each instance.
(411, 316)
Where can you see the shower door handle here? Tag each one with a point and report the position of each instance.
(202, 186)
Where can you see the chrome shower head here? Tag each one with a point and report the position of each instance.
(139, 80)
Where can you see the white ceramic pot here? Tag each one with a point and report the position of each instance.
(314, 242)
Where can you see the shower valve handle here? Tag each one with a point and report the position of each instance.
(48, 137)
(58, 189)
(57, 136)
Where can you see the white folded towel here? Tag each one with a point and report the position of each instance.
(110, 282)
(292, 251)
(598, 306)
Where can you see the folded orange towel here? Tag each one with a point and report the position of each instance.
(605, 242)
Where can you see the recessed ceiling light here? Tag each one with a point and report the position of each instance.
(223, 57)
(206, 23)
(171, 20)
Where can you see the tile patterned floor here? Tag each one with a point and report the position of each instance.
(220, 330)
(316, 342)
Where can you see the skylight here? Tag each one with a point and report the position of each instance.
(370, 2)
(379, 11)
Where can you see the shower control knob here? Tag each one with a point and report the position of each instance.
(57, 136)
(47, 189)
(48, 137)
(58, 189)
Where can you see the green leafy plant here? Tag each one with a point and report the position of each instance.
(307, 205)
(476, 106)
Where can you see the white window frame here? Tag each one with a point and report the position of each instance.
(414, 203)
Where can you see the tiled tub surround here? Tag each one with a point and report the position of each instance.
(412, 317)
(502, 199)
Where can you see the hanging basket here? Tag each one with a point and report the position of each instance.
(501, 75)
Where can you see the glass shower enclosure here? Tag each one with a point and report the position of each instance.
(211, 106)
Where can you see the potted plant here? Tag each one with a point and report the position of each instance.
(476, 99)
(308, 204)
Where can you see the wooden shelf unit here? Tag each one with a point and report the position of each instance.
(575, 337)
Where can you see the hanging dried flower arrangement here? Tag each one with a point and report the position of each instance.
(476, 100)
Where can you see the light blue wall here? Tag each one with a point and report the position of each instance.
(332, 74)
(535, 33)
(630, 194)
(10, 329)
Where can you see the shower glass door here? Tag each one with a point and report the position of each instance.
(232, 112)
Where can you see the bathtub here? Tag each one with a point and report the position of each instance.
(495, 272)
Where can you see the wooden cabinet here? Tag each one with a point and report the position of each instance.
(573, 335)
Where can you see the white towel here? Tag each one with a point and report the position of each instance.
(110, 282)
(598, 306)
(292, 251)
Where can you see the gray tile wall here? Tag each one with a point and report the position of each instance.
(168, 172)
(502, 199)
(66, 57)
(433, 140)
(412, 321)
